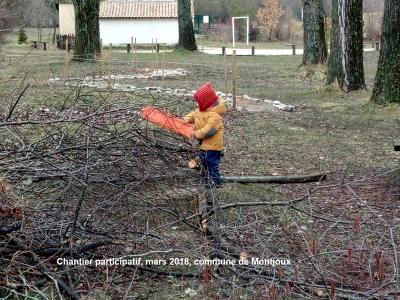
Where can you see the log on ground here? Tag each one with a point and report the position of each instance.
(275, 179)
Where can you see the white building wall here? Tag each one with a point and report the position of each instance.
(120, 31)
(66, 19)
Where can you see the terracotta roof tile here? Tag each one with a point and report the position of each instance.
(138, 9)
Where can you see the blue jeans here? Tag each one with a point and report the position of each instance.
(210, 160)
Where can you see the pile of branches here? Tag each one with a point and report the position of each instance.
(109, 145)
(72, 181)
(101, 183)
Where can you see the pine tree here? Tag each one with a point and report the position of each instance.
(22, 37)
(345, 63)
(387, 80)
(315, 51)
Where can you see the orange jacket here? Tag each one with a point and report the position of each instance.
(208, 126)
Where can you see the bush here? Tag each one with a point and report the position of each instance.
(22, 37)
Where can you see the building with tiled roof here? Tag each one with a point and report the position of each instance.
(122, 20)
(138, 10)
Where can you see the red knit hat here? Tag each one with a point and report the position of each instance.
(205, 96)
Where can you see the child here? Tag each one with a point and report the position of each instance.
(208, 129)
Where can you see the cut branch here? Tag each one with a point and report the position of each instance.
(275, 179)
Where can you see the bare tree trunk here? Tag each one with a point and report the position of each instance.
(87, 33)
(186, 32)
(387, 80)
(315, 51)
(346, 60)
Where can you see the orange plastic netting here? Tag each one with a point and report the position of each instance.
(167, 121)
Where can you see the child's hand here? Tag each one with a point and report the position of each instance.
(194, 164)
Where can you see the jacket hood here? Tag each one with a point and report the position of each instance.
(219, 108)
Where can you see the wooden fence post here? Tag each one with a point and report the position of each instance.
(293, 49)
(133, 57)
(163, 67)
(253, 50)
(66, 67)
(109, 65)
(223, 50)
(225, 74)
(201, 69)
(44, 46)
(376, 46)
(135, 54)
(158, 56)
(128, 48)
(54, 35)
(234, 87)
